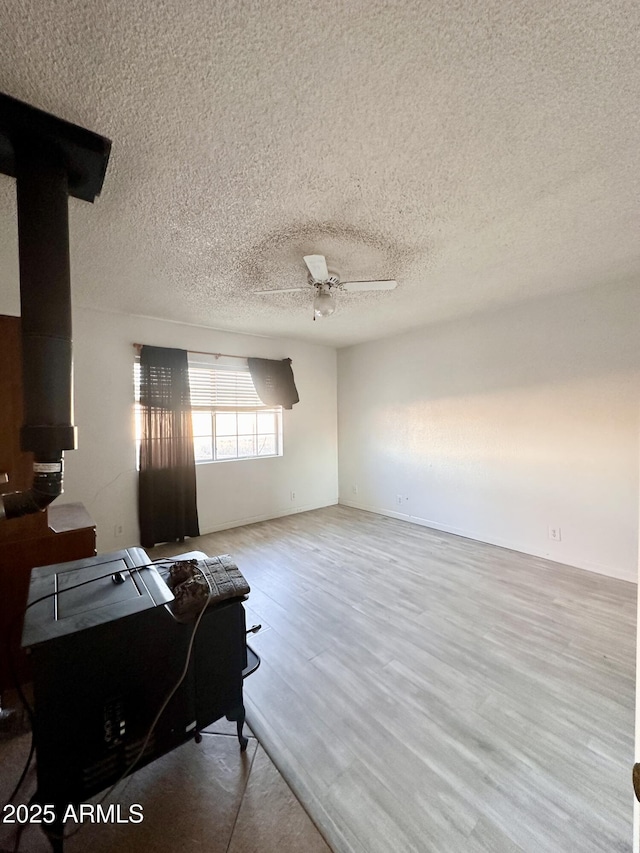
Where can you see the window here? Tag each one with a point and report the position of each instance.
(229, 419)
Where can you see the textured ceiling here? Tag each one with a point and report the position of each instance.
(478, 152)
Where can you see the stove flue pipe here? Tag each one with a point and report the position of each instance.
(45, 304)
(50, 159)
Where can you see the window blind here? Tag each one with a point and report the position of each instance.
(222, 388)
(215, 386)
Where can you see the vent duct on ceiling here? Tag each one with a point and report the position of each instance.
(50, 159)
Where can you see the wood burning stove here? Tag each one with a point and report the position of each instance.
(106, 652)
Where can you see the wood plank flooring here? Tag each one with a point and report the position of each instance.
(424, 692)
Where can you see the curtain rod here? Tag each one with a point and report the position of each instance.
(200, 352)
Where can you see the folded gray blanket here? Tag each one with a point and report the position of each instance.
(199, 583)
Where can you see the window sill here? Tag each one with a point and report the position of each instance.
(238, 459)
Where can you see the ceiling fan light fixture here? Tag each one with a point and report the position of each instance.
(324, 304)
(324, 282)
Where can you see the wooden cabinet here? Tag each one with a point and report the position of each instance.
(61, 533)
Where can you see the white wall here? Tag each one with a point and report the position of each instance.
(497, 426)
(101, 473)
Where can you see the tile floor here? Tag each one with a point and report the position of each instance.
(208, 797)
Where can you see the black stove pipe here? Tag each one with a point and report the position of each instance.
(45, 304)
(51, 159)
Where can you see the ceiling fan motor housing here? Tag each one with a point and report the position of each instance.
(332, 281)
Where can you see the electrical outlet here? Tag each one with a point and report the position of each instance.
(293, 495)
(399, 500)
(118, 530)
(554, 533)
(354, 489)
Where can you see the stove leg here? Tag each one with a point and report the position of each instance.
(55, 834)
(240, 723)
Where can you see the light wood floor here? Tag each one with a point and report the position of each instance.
(424, 692)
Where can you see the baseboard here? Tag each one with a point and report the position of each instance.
(499, 542)
(253, 519)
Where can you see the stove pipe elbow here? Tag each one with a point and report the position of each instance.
(45, 488)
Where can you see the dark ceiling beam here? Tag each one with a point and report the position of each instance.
(83, 153)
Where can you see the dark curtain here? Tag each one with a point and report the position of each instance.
(167, 484)
(274, 382)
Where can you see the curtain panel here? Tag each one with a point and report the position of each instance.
(167, 482)
(273, 381)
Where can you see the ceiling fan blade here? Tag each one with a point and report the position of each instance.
(317, 266)
(354, 286)
(284, 290)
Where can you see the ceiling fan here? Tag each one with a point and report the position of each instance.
(325, 282)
